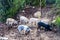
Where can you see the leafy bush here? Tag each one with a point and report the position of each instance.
(9, 8)
(58, 3)
(33, 2)
(2, 13)
(50, 1)
(15, 6)
(43, 3)
(58, 21)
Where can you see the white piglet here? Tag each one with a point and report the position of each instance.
(23, 20)
(11, 21)
(33, 21)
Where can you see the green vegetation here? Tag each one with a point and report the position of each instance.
(33, 2)
(58, 3)
(9, 8)
(43, 3)
(58, 21)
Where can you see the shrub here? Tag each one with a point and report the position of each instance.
(58, 3)
(33, 2)
(9, 8)
(57, 22)
(2, 13)
(43, 3)
(50, 1)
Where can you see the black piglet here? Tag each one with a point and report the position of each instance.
(46, 26)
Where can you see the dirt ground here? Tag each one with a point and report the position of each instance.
(34, 35)
(13, 33)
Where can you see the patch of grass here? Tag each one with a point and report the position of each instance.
(57, 22)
